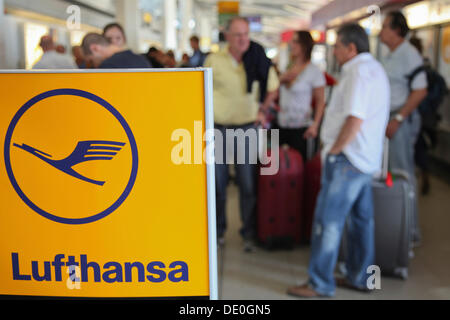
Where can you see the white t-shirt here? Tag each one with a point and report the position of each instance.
(295, 102)
(363, 92)
(54, 60)
(399, 64)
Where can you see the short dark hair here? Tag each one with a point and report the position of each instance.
(417, 43)
(305, 39)
(152, 49)
(194, 38)
(354, 33)
(114, 25)
(93, 38)
(398, 22)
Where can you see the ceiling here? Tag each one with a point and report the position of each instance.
(108, 6)
(276, 15)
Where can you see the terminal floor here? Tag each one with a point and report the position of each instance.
(267, 274)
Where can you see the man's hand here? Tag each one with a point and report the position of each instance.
(311, 132)
(261, 119)
(412, 103)
(333, 152)
(392, 128)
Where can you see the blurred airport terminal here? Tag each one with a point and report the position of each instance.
(48, 34)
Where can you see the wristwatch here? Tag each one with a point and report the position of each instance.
(399, 117)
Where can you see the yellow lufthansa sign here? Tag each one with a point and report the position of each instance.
(92, 204)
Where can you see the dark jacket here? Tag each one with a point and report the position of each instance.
(257, 65)
(125, 59)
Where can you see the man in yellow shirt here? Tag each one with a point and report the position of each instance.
(243, 78)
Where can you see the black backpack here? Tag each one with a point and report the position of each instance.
(437, 90)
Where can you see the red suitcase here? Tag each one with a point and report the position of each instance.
(280, 202)
(312, 188)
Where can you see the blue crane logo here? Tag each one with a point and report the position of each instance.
(84, 151)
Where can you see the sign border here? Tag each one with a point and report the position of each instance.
(210, 163)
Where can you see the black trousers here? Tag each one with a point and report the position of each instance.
(294, 138)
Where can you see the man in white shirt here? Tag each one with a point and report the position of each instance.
(404, 124)
(52, 59)
(352, 134)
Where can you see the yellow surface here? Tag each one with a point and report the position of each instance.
(228, 6)
(445, 46)
(233, 105)
(163, 219)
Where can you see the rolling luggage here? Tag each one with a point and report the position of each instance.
(280, 202)
(394, 209)
(313, 169)
(393, 213)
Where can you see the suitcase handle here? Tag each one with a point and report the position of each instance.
(401, 173)
(385, 163)
(286, 157)
(382, 176)
(310, 148)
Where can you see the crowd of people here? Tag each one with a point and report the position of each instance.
(371, 101)
(109, 50)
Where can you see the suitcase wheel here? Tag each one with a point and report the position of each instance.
(402, 273)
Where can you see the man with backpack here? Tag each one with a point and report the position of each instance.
(404, 124)
(428, 110)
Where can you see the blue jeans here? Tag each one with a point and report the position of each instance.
(401, 156)
(401, 146)
(246, 174)
(345, 192)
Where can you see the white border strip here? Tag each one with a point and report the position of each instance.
(211, 184)
(7, 71)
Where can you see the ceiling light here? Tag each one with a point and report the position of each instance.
(295, 10)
